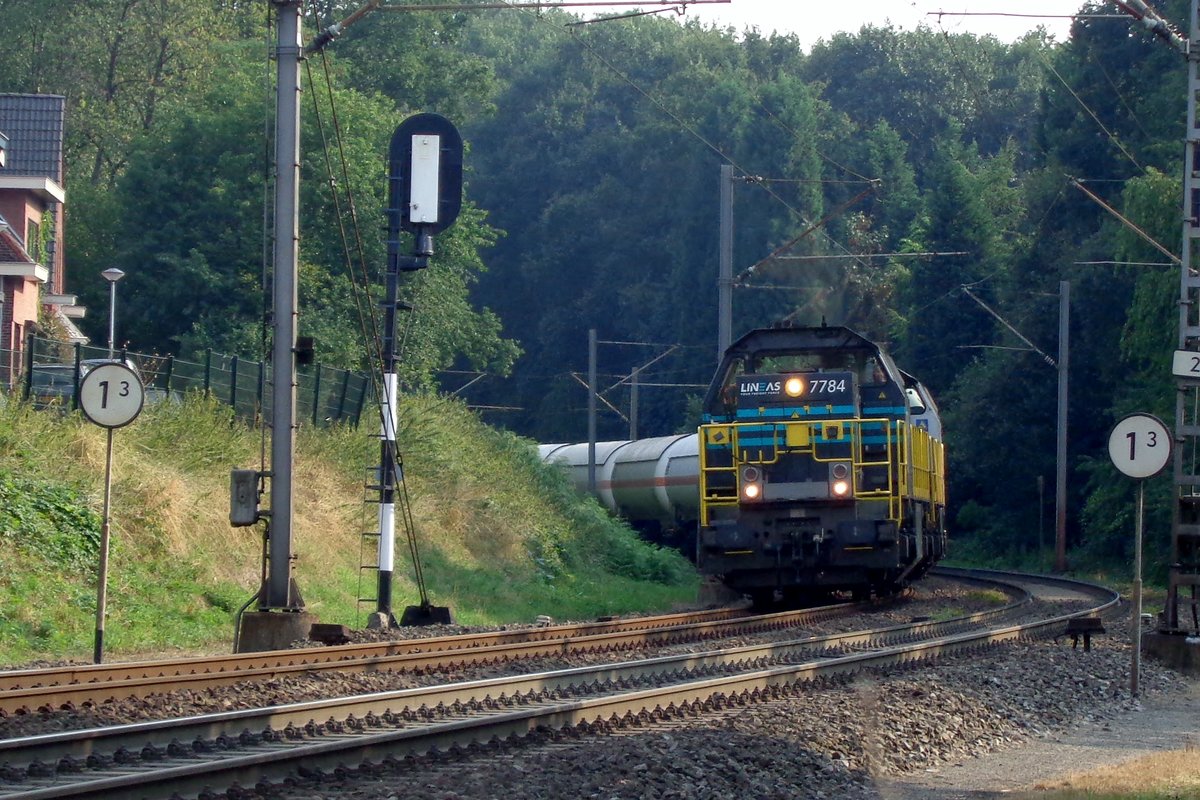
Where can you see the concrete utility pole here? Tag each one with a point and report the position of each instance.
(279, 594)
(280, 620)
(725, 269)
(1060, 444)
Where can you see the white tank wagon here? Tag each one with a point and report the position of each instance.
(652, 483)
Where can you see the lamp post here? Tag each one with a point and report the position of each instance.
(112, 275)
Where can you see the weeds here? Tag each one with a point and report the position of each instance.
(503, 537)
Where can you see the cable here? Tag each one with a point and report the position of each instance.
(1111, 136)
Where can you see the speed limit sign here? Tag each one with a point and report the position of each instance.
(1140, 445)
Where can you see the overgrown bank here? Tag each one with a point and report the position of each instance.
(502, 537)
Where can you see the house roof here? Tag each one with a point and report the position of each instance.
(33, 124)
(12, 249)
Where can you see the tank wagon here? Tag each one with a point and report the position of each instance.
(819, 467)
(653, 483)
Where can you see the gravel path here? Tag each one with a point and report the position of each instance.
(1160, 722)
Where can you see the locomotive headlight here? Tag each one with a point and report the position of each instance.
(751, 483)
(794, 386)
(839, 479)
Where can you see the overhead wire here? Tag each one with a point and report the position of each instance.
(1112, 137)
(789, 129)
(359, 286)
(1133, 115)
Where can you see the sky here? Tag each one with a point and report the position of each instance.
(811, 20)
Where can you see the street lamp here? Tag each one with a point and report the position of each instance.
(112, 275)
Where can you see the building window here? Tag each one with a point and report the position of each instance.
(33, 240)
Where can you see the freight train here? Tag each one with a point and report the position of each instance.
(818, 468)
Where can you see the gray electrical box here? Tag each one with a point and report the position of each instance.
(243, 497)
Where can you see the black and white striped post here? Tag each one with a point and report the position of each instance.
(424, 198)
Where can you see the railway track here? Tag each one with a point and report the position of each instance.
(243, 748)
(77, 686)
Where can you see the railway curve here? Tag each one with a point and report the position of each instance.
(266, 744)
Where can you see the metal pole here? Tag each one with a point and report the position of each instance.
(1041, 551)
(591, 411)
(278, 594)
(102, 580)
(633, 403)
(112, 275)
(1136, 665)
(725, 276)
(112, 317)
(1182, 572)
(1060, 487)
(316, 397)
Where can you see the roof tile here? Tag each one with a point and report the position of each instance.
(34, 126)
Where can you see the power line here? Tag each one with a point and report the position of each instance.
(940, 14)
(1125, 221)
(1125, 263)
(539, 6)
(873, 255)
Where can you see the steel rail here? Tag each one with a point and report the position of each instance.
(453, 696)
(115, 672)
(689, 697)
(412, 656)
(103, 673)
(80, 744)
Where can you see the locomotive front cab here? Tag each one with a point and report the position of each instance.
(805, 463)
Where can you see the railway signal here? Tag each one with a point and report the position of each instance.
(424, 198)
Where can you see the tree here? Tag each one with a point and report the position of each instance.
(117, 62)
(191, 218)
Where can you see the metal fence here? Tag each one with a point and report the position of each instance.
(324, 395)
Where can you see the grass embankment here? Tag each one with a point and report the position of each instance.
(1173, 775)
(502, 537)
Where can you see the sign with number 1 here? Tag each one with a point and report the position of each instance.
(1140, 445)
(111, 395)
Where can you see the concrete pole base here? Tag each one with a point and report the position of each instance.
(379, 620)
(273, 630)
(1180, 653)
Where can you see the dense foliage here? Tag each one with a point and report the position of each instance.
(877, 175)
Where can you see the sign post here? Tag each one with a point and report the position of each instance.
(110, 395)
(1140, 447)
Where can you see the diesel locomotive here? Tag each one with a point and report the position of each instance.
(818, 467)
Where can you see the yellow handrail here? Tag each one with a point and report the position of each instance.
(915, 461)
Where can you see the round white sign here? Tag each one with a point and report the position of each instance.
(111, 395)
(1140, 445)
